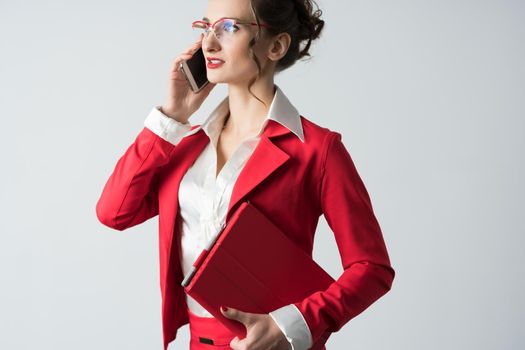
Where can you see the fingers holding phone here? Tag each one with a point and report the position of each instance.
(194, 69)
(185, 55)
(189, 88)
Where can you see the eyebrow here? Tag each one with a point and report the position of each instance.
(208, 20)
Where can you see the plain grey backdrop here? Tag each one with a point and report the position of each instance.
(428, 96)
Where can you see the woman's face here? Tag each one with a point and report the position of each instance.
(233, 49)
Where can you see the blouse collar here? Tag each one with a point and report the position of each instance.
(281, 110)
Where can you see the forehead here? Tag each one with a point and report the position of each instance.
(237, 9)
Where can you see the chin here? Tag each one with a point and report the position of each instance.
(214, 80)
(216, 77)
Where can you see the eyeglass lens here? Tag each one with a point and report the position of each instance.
(222, 29)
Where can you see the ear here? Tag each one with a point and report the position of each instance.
(279, 45)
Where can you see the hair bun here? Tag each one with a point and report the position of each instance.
(298, 18)
(310, 21)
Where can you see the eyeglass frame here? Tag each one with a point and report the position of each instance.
(235, 22)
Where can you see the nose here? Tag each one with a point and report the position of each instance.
(210, 42)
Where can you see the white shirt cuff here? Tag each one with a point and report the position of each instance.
(293, 325)
(165, 127)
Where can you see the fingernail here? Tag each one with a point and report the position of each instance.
(224, 308)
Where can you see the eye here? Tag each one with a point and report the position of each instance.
(229, 26)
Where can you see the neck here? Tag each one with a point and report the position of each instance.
(246, 112)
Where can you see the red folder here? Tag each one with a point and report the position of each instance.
(251, 265)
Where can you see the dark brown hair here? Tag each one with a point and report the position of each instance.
(295, 17)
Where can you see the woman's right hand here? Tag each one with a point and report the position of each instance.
(182, 102)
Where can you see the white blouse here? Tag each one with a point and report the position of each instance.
(204, 198)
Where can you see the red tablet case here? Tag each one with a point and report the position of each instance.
(254, 267)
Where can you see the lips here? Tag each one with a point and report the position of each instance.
(215, 60)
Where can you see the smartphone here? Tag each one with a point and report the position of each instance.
(194, 70)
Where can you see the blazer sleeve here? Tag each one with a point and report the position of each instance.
(130, 195)
(368, 274)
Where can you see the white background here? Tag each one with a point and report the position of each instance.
(429, 98)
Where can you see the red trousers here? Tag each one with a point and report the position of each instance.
(206, 333)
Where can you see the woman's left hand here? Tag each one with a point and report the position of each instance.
(262, 333)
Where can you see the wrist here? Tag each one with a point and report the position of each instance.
(173, 114)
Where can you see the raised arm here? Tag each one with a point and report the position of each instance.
(130, 195)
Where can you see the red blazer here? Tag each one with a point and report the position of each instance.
(291, 182)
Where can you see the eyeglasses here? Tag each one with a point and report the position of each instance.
(223, 28)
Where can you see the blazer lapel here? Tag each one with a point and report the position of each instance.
(266, 158)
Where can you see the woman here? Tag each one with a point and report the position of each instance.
(256, 146)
